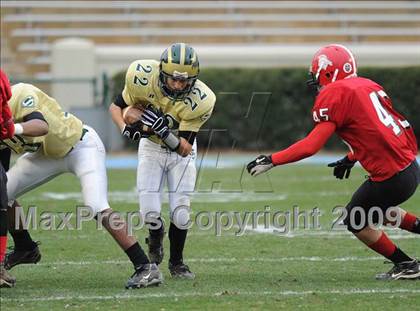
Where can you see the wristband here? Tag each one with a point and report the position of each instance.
(18, 129)
(172, 141)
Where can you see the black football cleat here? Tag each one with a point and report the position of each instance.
(145, 276)
(407, 270)
(155, 245)
(6, 280)
(181, 271)
(19, 257)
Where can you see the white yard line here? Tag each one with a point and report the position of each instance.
(395, 234)
(220, 260)
(331, 234)
(205, 197)
(130, 295)
(226, 196)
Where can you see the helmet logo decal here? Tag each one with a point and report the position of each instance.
(323, 63)
(347, 67)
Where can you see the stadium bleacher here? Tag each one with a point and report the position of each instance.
(30, 27)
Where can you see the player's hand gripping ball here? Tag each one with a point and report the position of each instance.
(135, 128)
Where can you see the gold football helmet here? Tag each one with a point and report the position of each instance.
(178, 62)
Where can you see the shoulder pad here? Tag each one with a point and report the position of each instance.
(24, 96)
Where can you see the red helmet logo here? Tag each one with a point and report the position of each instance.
(332, 63)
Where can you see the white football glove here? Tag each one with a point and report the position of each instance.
(260, 165)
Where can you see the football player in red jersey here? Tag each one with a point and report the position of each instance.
(381, 139)
(7, 129)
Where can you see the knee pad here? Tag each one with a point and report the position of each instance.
(180, 217)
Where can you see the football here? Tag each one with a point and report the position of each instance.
(132, 116)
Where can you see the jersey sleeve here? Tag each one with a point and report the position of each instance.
(26, 103)
(201, 104)
(330, 106)
(306, 147)
(7, 127)
(138, 82)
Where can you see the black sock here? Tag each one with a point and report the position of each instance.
(399, 256)
(136, 255)
(23, 240)
(177, 239)
(3, 222)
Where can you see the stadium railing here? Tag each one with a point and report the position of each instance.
(30, 27)
(199, 17)
(214, 4)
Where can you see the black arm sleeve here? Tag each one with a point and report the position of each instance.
(36, 115)
(188, 135)
(120, 102)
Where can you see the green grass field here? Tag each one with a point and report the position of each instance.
(313, 269)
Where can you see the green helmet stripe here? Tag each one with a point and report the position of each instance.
(189, 55)
(176, 53)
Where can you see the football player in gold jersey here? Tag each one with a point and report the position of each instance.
(173, 104)
(54, 142)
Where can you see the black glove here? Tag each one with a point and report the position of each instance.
(134, 131)
(260, 165)
(342, 167)
(156, 120)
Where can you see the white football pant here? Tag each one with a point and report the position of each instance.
(86, 160)
(158, 166)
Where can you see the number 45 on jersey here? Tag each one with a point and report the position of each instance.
(384, 116)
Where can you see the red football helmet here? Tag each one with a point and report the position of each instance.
(331, 63)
